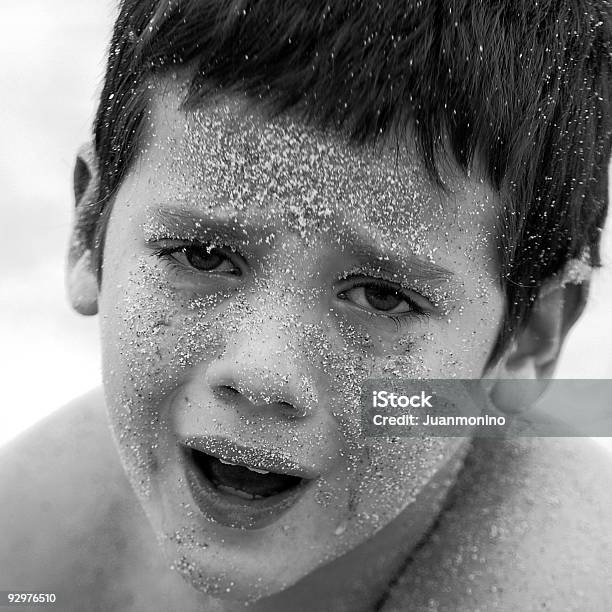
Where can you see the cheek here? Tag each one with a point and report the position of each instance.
(383, 476)
(352, 354)
(377, 478)
(391, 472)
(152, 333)
(151, 340)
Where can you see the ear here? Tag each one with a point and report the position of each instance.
(535, 352)
(81, 276)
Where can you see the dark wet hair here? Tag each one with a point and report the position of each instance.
(523, 86)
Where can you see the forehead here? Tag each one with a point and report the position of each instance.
(227, 158)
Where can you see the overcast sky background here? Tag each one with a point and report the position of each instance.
(52, 57)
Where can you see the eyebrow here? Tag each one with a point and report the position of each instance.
(162, 219)
(402, 259)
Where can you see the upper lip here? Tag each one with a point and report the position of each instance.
(259, 458)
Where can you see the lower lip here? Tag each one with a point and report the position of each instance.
(233, 511)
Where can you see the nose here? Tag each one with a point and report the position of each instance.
(262, 369)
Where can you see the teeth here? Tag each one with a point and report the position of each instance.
(258, 471)
(226, 462)
(237, 492)
(246, 466)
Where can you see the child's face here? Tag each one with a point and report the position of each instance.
(255, 349)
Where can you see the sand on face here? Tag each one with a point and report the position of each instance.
(52, 73)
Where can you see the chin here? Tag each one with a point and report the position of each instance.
(243, 578)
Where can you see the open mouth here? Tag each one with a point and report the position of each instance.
(238, 495)
(241, 481)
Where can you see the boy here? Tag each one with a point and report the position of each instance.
(281, 203)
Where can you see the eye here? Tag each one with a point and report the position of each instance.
(201, 258)
(382, 297)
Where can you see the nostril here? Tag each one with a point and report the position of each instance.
(226, 391)
(291, 411)
(232, 392)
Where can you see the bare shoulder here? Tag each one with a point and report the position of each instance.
(74, 439)
(59, 480)
(528, 529)
(69, 519)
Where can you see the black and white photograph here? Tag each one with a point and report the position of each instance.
(306, 306)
